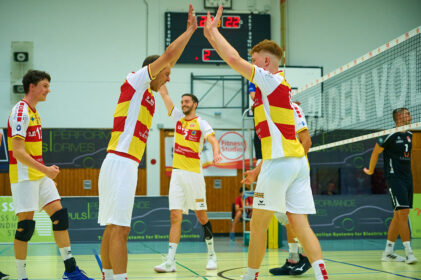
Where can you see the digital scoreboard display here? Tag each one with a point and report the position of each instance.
(242, 30)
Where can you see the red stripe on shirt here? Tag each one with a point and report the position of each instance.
(33, 134)
(119, 123)
(12, 159)
(185, 151)
(287, 130)
(141, 131)
(262, 129)
(191, 135)
(280, 97)
(148, 101)
(124, 155)
(127, 92)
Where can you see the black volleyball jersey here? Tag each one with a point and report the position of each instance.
(397, 154)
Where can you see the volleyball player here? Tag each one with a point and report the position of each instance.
(187, 185)
(118, 175)
(33, 188)
(296, 263)
(397, 171)
(284, 180)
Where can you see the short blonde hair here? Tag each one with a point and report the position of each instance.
(269, 46)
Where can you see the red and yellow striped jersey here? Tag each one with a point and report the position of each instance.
(274, 115)
(188, 141)
(133, 116)
(25, 123)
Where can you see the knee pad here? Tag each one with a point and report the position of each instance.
(63, 220)
(28, 227)
(207, 230)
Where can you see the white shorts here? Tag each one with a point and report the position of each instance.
(31, 196)
(117, 188)
(283, 186)
(187, 191)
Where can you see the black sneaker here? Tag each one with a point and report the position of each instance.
(302, 266)
(283, 270)
(3, 276)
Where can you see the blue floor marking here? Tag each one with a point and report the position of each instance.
(373, 269)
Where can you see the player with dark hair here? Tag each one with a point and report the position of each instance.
(33, 188)
(283, 184)
(396, 148)
(187, 185)
(118, 176)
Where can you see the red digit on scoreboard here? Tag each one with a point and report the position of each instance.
(206, 55)
(228, 23)
(236, 22)
(202, 21)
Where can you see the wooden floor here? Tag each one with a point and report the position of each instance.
(350, 259)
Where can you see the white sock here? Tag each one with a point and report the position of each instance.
(120, 276)
(293, 252)
(211, 250)
(389, 246)
(252, 273)
(21, 269)
(65, 252)
(108, 274)
(407, 245)
(319, 270)
(172, 248)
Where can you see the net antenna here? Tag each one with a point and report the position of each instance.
(360, 96)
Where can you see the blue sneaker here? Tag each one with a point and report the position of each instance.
(77, 274)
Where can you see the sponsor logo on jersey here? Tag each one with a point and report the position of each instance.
(408, 138)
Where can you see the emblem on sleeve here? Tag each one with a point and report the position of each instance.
(18, 127)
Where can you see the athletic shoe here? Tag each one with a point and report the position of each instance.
(167, 266)
(4, 276)
(302, 266)
(392, 257)
(410, 259)
(283, 270)
(212, 263)
(77, 274)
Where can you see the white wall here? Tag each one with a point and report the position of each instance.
(89, 46)
(331, 33)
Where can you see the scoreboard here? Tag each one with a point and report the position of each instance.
(242, 30)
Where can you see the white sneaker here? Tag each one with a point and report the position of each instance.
(392, 257)
(166, 266)
(410, 258)
(212, 263)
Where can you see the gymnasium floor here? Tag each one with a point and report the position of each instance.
(345, 259)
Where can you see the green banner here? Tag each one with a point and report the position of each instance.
(415, 216)
(8, 220)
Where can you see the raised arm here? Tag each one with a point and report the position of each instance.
(224, 49)
(215, 148)
(373, 160)
(166, 98)
(176, 48)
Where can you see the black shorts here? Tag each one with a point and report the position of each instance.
(401, 192)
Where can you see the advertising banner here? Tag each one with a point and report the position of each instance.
(231, 144)
(415, 216)
(351, 216)
(8, 220)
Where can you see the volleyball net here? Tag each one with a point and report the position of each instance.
(355, 101)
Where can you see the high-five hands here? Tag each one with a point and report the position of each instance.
(191, 20)
(212, 23)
